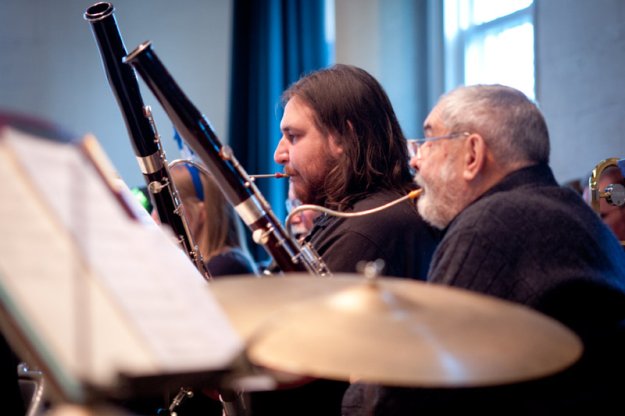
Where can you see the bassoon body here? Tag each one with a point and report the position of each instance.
(234, 182)
(141, 129)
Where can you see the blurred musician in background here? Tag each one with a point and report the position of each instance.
(513, 233)
(212, 221)
(299, 226)
(301, 223)
(344, 149)
(613, 216)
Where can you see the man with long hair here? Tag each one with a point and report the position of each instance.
(344, 149)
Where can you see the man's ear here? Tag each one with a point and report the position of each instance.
(475, 157)
(336, 148)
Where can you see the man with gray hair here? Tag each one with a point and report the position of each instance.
(512, 232)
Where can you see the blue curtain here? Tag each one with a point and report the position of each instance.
(274, 42)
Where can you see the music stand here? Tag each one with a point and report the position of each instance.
(94, 293)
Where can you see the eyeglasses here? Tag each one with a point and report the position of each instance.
(291, 204)
(417, 147)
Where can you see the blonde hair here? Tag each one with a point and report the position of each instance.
(221, 228)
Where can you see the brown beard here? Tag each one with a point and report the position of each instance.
(314, 190)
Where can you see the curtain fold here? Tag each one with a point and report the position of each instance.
(274, 42)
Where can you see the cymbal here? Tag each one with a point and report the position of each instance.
(251, 301)
(392, 331)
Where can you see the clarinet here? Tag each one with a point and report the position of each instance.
(230, 176)
(142, 130)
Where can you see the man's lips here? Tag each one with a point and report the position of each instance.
(290, 172)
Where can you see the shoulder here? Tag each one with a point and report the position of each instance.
(519, 232)
(528, 205)
(397, 222)
(230, 262)
(397, 234)
(402, 214)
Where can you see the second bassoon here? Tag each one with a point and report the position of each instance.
(232, 179)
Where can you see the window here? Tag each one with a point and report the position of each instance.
(489, 41)
(330, 30)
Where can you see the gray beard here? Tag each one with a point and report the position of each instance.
(442, 201)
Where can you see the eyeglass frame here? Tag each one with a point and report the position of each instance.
(291, 204)
(414, 145)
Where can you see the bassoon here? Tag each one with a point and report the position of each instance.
(141, 129)
(230, 176)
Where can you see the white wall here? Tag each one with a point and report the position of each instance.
(357, 34)
(380, 36)
(50, 66)
(580, 70)
(581, 81)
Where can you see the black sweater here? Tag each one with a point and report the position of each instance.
(530, 241)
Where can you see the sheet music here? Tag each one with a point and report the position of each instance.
(103, 291)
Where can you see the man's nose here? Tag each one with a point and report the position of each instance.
(415, 162)
(281, 155)
(296, 219)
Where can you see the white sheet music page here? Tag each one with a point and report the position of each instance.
(97, 290)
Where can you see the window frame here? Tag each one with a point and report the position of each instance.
(458, 32)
